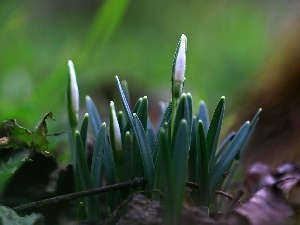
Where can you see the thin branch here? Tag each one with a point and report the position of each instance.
(229, 196)
(70, 197)
(57, 134)
(235, 201)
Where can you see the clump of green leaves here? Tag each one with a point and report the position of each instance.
(184, 147)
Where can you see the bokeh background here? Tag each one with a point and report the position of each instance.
(229, 44)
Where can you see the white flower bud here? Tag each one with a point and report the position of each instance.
(179, 66)
(115, 133)
(73, 96)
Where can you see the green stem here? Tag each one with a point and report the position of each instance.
(174, 103)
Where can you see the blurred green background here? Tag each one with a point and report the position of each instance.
(229, 42)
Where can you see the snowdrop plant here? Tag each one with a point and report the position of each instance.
(78, 142)
(73, 96)
(184, 147)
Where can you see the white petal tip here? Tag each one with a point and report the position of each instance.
(70, 63)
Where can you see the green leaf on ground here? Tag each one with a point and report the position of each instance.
(10, 217)
(20, 137)
(7, 169)
(39, 141)
(16, 136)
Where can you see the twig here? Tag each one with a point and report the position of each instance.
(69, 197)
(235, 201)
(57, 134)
(229, 196)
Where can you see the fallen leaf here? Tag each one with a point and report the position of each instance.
(39, 135)
(20, 137)
(268, 206)
(258, 176)
(16, 136)
(8, 168)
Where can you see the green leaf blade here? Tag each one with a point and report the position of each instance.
(94, 115)
(140, 137)
(101, 146)
(144, 151)
(213, 133)
(227, 158)
(164, 119)
(84, 174)
(159, 161)
(203, 116)
(193, 157)
(180, 162)
(84, 128)
(203, 163)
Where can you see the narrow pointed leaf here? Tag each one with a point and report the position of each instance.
(141, 109)
(227, 158)
(101, 146)
(165, 119)
(82, 162)
(145, 151)
(203, 163)
(253, 124)
(97, 161)
(84, 128)
(193, 155)
(126, 90)
(181, 109)
(127, 171)
(134, 110)
(213, 133)
(224, 144)
(203, 116)
(142, 112)
(189, 112)
(140, 137)
(166, 116)
(110, 176)
(180, 162)
(94, 115)
(127, 167)
(168, 179)
(159, 161)
(84, 174)
(109, 166)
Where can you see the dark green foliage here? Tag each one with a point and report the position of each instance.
(183, 148)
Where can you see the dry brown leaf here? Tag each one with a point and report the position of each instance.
(267, 206)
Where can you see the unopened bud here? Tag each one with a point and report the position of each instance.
(179, 66)
(115, 134)
(72, 96)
